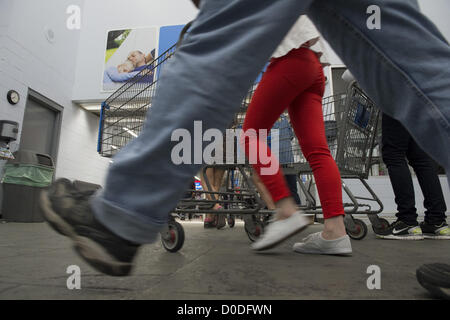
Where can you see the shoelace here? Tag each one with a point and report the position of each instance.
(311, 236)
(395, 224)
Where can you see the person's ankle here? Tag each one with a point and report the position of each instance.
(333, 234)
(285, 208)
(334, 228)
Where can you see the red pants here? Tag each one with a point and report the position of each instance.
(296, 82)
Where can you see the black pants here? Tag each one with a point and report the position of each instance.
(397, 146)
(291, 180)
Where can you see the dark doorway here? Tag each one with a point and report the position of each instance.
(41, 125)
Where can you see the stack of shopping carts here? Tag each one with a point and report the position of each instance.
(350, 120)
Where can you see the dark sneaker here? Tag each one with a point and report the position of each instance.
(439, 232)
(401, 231)
(435, 277)
(67, 210)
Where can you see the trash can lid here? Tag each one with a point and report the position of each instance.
(31, 157)
(8, 122)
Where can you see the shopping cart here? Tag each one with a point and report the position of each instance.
(122, 118)
(350, 119)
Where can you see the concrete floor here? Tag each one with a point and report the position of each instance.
(214, 264)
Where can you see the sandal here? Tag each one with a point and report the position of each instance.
(209, 222)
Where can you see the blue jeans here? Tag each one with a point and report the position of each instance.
(227, 46)
(408, 78)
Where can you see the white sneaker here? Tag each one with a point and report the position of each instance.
(280, 230)
(316, 244)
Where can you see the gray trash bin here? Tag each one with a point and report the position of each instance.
(23, 180)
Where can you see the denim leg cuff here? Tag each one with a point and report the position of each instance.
(127, 225)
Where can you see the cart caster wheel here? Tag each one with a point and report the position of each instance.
(258, 231)
(384, 225)
(231, 222)
(360, 231)
(173, 238)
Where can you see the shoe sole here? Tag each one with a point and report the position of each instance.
(331, 253)
(392, 237)
(278, 242)
(89, 250)
(437, 237)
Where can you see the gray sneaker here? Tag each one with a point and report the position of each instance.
(316, 244)
(68, 212)
(280, 230)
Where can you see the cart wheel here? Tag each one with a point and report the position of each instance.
(173, 238)
(360, 232)
(231, 221)
(384, 225)
(259, 230)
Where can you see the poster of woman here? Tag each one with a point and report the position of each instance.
(129, 52)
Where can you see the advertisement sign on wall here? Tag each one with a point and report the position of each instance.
(127, 53)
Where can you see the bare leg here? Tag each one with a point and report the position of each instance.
(286, 207)
(210, 177)
(265, 195)
(217, 182)
(334, 228)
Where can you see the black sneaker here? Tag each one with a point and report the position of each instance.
(67, 210)
(401, 231)
(431, 231)
(435, 277)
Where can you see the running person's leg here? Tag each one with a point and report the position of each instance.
(264, 193)
(283, 81)
(272, 96)
(306, 117)
(209, 221)
(218, 63)
(297, 80)
(207, 79)
(307, 120)
(218, 178)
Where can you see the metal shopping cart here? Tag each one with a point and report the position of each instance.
(122, 118)
(350, 119)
